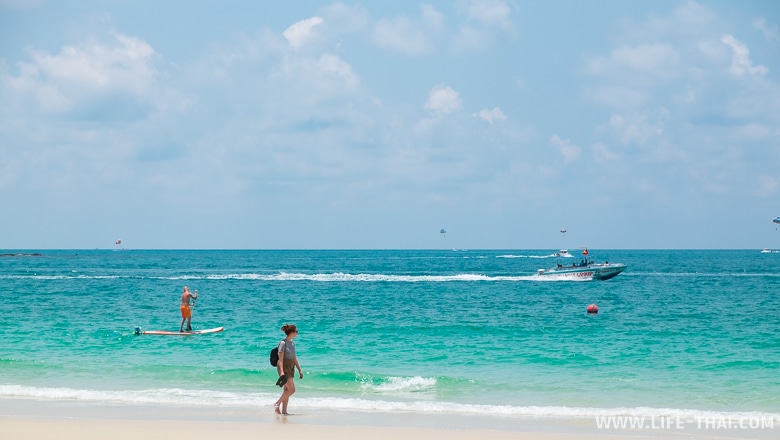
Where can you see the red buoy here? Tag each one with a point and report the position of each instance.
(593, 308)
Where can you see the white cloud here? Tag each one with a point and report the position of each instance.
(646, 56)
(768, 186)
(402, 35)
(691, 17)
(103, 66)
(411, 35)
(616, 96)
(602, 154)
(645, 186)
(634, 128)
(655, 58)
(486, 19)
(686, 96)
(688, 19)
(335, 66)
(753, 132)
(639, 128)
(302, 32)
(443, 99)
(713, 50)
(770, 32)
(344, 19)
(469, 40)
(740, 61)
(491, 115)
(432, 17)
(315, 79)
(491, 13)
(61, 81)
(568, 150)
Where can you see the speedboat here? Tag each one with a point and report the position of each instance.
(584, 270)
(766, 251)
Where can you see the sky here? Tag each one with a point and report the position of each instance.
(374, 125)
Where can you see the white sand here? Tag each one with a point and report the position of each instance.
(65, 420)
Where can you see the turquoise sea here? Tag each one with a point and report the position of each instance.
(681, 332)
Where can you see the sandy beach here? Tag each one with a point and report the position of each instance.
(66, 420)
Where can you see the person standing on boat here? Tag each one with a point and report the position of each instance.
(288, 362)
(186, 312)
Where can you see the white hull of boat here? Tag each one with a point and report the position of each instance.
(583, 273)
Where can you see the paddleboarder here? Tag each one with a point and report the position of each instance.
(186, 312)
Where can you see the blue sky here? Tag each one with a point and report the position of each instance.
(373, 125)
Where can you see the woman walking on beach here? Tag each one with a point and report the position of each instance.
(286, 366)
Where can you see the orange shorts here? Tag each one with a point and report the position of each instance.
(186, 312)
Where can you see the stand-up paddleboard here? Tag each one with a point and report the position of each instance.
(170, 333)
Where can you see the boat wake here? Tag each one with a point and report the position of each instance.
(322, 277)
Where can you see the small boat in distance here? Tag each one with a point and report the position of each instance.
(766, 251)
(584, 270)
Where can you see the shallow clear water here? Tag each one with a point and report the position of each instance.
(438, 331)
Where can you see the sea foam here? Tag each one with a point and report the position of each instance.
(209, 398)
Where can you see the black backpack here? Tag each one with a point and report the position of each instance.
(275, 356)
